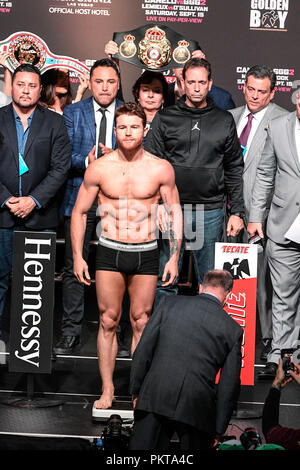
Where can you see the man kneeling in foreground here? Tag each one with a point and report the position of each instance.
(187, 340)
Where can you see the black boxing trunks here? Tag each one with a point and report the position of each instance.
(127, 258)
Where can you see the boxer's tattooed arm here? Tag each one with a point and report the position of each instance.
(172, 239)
(173, 242)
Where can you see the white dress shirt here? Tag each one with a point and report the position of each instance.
(110, 116)
(257, 117)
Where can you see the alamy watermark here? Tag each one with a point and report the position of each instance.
(159, 220)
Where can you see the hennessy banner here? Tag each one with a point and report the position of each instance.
(241, 261)
(154, 47)
(32, 300)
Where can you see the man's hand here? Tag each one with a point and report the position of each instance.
(81, 271)
(216, 441)
(197, 54)
(92, 155)
(3, 57)
(12, 200)
(171, 270)
(281, 379)
(255, 227)
(234, 226)
(134, 400)
(295, 374)
(111, 47)
(82, 87)
(104, 150)
(21, 206)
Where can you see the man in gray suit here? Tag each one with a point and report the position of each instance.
(253, 119)
(277, 186)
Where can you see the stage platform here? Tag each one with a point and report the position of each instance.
(74, 384)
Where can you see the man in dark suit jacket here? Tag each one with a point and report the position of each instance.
(83, 120)
(184, 345)
(35, 157)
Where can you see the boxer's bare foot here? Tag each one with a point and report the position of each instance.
(105, 401)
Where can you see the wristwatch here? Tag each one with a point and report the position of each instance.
(238, 214)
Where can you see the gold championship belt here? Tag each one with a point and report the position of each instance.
(28, 48)
(128, 48)
(154, 47)
(182, 54)
(154, 51)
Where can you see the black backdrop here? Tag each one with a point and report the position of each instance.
(234, 34)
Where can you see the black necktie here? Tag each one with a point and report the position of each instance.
(102, 131)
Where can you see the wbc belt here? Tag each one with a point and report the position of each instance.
(154, 47)
(28, 48)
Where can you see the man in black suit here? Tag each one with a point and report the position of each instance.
(35, 156)
(186, 342)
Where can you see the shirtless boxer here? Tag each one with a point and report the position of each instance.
(129, 183)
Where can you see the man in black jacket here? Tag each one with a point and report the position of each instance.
(35, 158)
(187, 340)
(201, 143)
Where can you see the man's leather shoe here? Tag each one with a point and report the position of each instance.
(66, 345)
(267, 345)
(269, 372)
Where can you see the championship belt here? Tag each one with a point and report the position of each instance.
(154, 47)
(28, 48)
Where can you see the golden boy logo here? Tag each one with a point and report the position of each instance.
(269, 15)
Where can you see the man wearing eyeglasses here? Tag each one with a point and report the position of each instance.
(252, 121)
